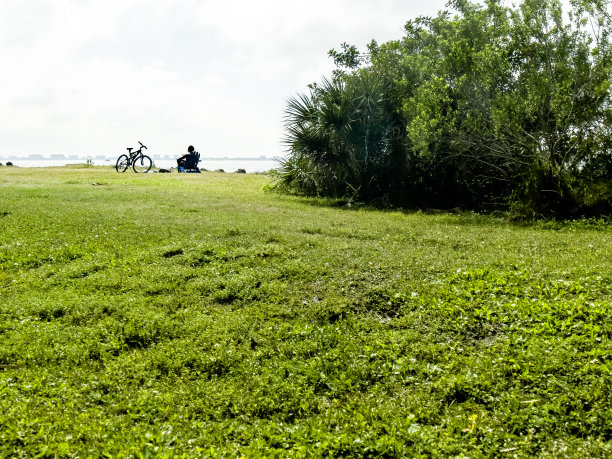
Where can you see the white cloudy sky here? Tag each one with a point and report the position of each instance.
(95, 76)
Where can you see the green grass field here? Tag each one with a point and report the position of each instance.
(197, 315)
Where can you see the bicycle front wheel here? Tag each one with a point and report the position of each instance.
(142, 164)
(123, 162)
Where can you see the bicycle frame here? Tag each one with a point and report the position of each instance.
(131, 159)
(134, 155)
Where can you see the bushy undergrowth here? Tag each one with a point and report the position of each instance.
(485, 106)
(166, 315)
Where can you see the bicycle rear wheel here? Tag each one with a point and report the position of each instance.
(123, 162)
(142, 164)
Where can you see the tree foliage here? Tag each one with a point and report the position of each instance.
(490, 106)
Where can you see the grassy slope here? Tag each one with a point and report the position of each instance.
(198, 314)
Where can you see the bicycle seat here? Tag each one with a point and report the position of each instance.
(130, 150)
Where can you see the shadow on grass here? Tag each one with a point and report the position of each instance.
(457, 216)
(454, 216)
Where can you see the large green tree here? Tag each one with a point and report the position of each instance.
(488, 106)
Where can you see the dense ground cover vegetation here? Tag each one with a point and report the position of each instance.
(485, 107)
(199, 315)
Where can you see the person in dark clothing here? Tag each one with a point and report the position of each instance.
(181, 161)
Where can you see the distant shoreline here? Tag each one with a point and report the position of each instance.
(228, 165)
(108, 158)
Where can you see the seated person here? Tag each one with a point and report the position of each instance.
(183, 159)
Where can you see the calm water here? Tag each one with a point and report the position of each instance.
(228, 165)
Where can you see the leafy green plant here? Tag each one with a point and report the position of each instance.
(494, 107)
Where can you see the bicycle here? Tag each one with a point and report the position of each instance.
(137, 159)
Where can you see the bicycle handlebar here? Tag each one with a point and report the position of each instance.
(142, 145)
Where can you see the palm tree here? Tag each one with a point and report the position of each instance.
(338, 137)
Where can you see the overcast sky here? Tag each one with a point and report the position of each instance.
(95, 76)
